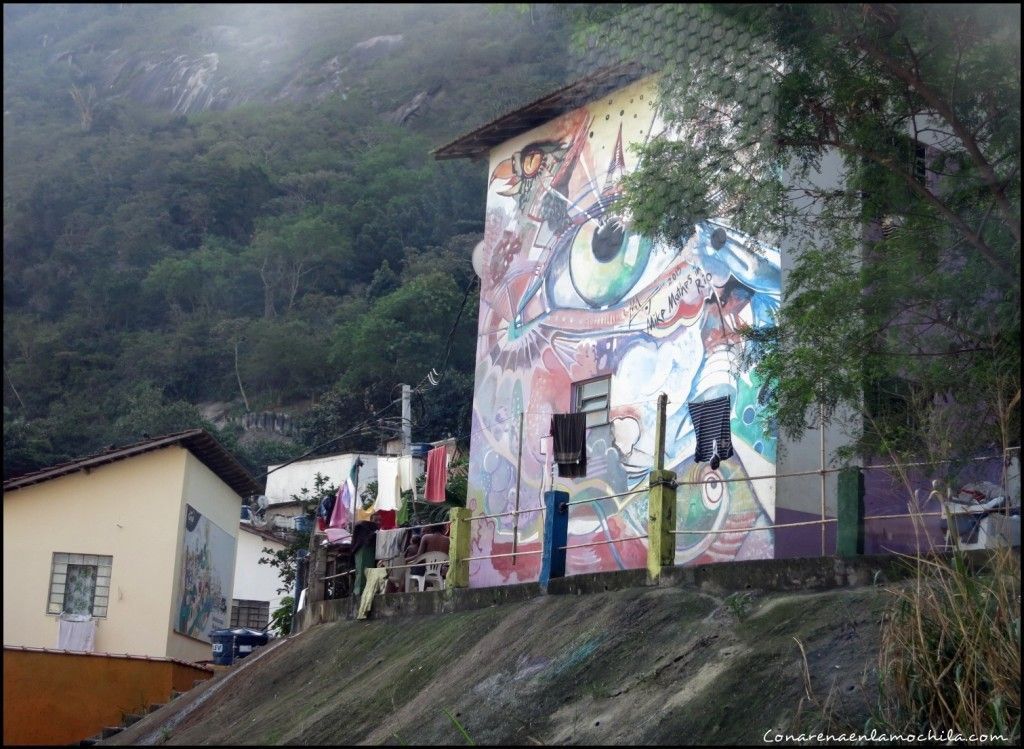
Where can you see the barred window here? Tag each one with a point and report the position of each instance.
(79, 584)
(252, 614)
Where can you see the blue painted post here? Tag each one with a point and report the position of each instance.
(556, 533)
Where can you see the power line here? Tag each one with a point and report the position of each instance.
(360, 426)
(433, 375)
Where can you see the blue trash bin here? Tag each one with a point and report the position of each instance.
(246, 640)
(223, 644)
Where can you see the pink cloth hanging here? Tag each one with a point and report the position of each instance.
(437, 474)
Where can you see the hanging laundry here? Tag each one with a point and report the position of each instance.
(404, 516)
(387, 519)
(391, 543)
(714, 436)
(76, 632)
(337, 527)
(437, 474)
(376, 582)
(388, 493)
(324, 511)
(407, 475)
(570, 444)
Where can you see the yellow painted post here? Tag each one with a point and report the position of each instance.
(458, 552)
(661, 521)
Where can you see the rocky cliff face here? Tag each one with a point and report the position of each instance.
(216, 68)
(220, 74)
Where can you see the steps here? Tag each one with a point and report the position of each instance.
(130, 719)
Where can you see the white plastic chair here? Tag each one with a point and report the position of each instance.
(433, 561)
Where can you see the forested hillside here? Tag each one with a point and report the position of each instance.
(237, 205)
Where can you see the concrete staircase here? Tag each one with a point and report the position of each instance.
(131, 719)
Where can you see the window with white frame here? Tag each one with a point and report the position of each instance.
(79, 584)
(592, 398)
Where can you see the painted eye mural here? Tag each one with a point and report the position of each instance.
(570, 292)
(606, 260)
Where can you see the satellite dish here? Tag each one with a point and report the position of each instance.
(261, 502)
(478, 259)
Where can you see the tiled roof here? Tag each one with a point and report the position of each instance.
(640, 40)
(26, 649)
(262, 533)
(197, 441)
(480, 141)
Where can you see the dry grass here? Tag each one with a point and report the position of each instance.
(950, 654)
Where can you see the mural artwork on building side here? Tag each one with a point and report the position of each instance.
(570, 293)
(207, 566)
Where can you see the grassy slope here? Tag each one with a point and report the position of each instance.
(634, 666)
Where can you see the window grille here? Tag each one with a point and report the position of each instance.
(252, 614)
(79, 584)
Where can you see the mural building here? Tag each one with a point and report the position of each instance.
(578, 312)
(208, 563)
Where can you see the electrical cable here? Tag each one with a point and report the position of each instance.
(433, 375)
(361, 426)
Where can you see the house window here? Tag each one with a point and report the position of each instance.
(79, 584)
(591, 397)
(252, 614)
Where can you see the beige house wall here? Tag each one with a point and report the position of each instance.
(130, 510)
(205, 491)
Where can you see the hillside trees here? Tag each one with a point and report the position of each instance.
(209, 291)
(225, 255)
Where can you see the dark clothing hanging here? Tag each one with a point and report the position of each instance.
(711, 423)
(364, 534)
(324, 510)
(570, 444)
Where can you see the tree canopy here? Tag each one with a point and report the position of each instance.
(293, 248)
(881, 145)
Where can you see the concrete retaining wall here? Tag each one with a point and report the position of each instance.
(817, 573)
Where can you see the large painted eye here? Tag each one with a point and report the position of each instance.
(533, 160)
(606, 260)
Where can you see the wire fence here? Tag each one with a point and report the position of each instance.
(904, 507)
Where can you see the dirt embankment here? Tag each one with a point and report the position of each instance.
(642, 665)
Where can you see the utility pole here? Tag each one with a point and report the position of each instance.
(406, 419)
(519, 475)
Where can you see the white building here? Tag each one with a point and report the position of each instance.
(256, 594)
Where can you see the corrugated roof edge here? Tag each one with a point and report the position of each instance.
(197, 441)
(27, 649)
(572, 96)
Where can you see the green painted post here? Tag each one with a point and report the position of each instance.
(458, 552)
(661, 522)
(850, 513)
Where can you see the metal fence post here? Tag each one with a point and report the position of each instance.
(661, 511)
(556, 533)
(850, 513)
(458, 567)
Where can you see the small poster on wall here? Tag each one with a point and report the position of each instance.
(208, 564)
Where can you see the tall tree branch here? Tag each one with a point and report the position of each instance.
(945, 110)
(987, 252)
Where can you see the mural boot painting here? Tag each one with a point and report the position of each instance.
(570, 293)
